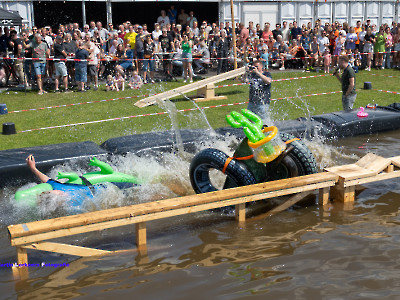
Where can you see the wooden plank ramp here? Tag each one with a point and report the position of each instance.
(337, 182)
(205, 87)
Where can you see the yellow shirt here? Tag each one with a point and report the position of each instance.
(130, 37)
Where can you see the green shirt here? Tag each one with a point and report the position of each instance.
(347, 74)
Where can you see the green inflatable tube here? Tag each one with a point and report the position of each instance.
(106, 174)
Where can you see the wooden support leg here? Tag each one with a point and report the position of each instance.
(323, 198)
(22, 256)
(240, 210)
(389, 169)
(141, 239)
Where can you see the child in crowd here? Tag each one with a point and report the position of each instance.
(135, 81)
(119, 82)
(327, 60)
(264, 57)
(275, 54)
(110, 83)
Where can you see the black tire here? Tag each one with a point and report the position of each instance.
(214, 159)
(298, 162)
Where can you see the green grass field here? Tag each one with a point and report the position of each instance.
(99, 132)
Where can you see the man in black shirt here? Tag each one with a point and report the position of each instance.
(60, 66)
(18, 50)
(167, 45)
(277, 31)
(348, 81)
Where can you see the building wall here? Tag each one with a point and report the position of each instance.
(25, 9)
(308, 11)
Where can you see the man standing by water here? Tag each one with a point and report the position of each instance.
(348, 81)
(259, 90)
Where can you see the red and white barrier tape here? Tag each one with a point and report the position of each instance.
(131, 97)
(162, 113)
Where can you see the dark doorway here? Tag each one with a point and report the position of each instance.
(148, 12)
(54, 13)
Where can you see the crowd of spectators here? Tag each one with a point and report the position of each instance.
(179, 45)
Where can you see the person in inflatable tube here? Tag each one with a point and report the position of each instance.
(75, 192)
(259, 90)
(348, 81)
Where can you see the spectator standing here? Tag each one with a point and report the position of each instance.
(295, 31)
(369, 40)
(139, 48)
(167, 46)
(182, 17)
(285, 32)
(163, 19)
(81, 66)
(351, 39)
(388, 47)
(172, 14)
(348, 81)
(102, 31)
(60, 66)
(259, 90)
(40, 51)
(19, 54)
(379, 47)
(244, 34)
(93, 64)
(187, 46)
(86, 31)
(130, 37)
(191, 19)
(396, 48)
(277, 31)
(148, 62)
(4, 42)
(266, 32)
(222, 47)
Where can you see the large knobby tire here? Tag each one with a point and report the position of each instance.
(298, 162)
(208, 159)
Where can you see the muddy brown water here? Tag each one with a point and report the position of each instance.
(305, 252)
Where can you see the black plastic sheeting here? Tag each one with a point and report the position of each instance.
(13, 170)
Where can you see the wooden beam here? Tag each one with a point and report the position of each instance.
(379, 177)
(29, 229)
(288, 203)
(22, 256)
(66, 249)
(167, 213)
(240, 211)
(189, 87)
(141, 238)
(323, 197)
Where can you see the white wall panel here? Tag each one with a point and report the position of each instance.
(260, 13)
(341, 11)
(305, 12)
(288, 11)
(372, 12)
(324, 12)
(356, 12)
(387, 12)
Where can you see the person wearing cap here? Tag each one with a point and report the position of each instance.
(61, 69)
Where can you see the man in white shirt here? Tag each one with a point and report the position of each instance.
(285, 32)
(163, 19)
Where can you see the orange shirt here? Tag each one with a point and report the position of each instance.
(357, 30)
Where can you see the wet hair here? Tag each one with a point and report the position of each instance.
(344, 58)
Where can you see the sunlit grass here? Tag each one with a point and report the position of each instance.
(300, 106)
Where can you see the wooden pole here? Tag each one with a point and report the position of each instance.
(233, 37)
